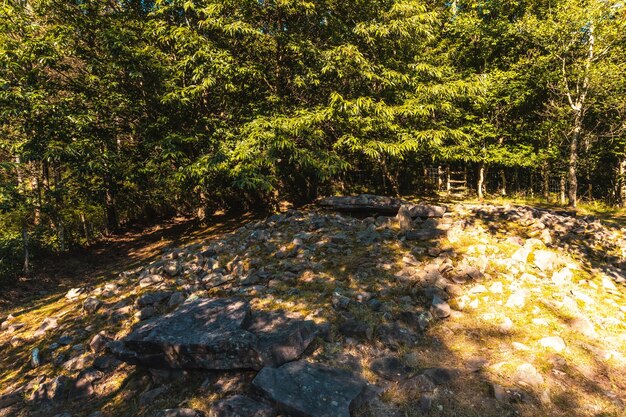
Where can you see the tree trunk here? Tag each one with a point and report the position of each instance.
(622, 181)
(26, 254)
(85, 228)
(503, 177)
(481, 181)
(111, 212)
(546, 182)
(572, 198)
(563, 189)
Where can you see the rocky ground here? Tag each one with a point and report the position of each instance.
(465, 310)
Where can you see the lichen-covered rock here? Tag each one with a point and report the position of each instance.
(216, 334)
(304, 389)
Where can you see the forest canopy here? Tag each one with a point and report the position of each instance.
(125, 110)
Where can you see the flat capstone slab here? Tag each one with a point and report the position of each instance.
(303, 389)
(216, 334)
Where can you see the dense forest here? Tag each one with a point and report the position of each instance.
(125, 110)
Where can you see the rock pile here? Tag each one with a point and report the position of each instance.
(284, 299)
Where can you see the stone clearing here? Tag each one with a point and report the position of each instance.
(319, 314)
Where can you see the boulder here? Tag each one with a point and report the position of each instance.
(302, 389)
(379, 205)
(240, 406)
(217, 334)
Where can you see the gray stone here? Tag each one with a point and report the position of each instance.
(423, 234)
(180, 412)
(106, 363)
(145, 313)
(54, 390)
(441, 376)
(150, 280)
(404, 218)
(439, 308)
(7, 400)
(528, 375)
(148, 397)
(47, 324)
(545, 260)
(240, 406)
(176, 299)
(152, 298)
(553, 342)
(35, 358)
(391, 368)
(78, 363)
(172, 268)
(216, 334)
(302, 389)
(99, 342)
(356, 329)
(83, 387)
(74, 293)
(395, 336)
(91, 305)
(340, 302)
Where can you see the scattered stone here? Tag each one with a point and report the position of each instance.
(528, 375)
(91, 305)
(47, 324)
(423, 234)
(7, 400)
(545, 260)
(106, 363)
(553, 342)
(83, 387)
(65, 340)
(152, 298)
(145, 313)
(180, 412)
(545, 237)
(404, 218)
(150, 281)
(391, 368)
(417, 385)
(35, 358)
(74, 293)
(310, 390)
(78, 363)
(148, 397)
(517, 299)
(395, 336)
(356, 329)
(240, 406)
(98, 342)
(584, 326)
(439, 308)
(340, 302)
(441, 376)
(176, 299)
(172, 268)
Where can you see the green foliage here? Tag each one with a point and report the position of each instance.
(114, 112)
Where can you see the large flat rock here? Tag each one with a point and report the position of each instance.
(302, 389)
(379, 204)
(216, 333)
